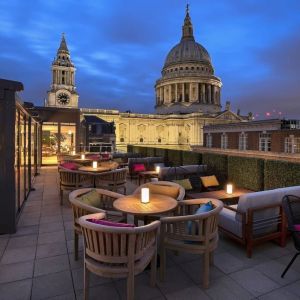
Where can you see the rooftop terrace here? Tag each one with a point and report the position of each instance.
(38, 262)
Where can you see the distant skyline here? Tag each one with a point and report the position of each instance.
(119, 49)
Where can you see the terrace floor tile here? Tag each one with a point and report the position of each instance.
(51, 264)
(18, 290)
(14, 272)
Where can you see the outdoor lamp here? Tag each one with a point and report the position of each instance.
(82, 156)
(95, 164)
(229, 188)
(145, 195)
(157, 169)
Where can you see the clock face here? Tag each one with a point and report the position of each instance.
(63, 99)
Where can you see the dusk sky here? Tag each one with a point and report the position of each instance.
(119, 48)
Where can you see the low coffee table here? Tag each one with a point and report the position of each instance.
(147, 175)
(159, 204)
(220, 195)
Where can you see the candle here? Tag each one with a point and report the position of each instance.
(82, 156)
(229, 189)
(73, 152)
(95, 164)
(157, 169)
(145, 195)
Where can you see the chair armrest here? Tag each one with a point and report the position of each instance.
(242, 214)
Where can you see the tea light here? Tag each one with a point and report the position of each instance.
(145, 195)
(95, 164)
(157, 169)
(73, 152)
(229, 188)
(82, 156)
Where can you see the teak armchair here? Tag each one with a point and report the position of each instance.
(116, 252)
(191, 233)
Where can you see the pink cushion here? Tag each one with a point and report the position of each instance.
(105, 156)
(70, 166)
(139, 168)
(109, 223)
(93, 156)
(297, 227)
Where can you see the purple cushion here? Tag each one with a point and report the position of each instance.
(297, 227)
(93, 156)
(70, 166)
(109, 223)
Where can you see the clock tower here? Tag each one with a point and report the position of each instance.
(63, 91)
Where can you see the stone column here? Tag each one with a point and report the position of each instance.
(183, 92)
(192, 98)
(176, 91)
(209, 93)
(203, 97)
(196, 92)
(170, 93)
(213, 98)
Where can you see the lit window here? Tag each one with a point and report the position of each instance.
(264, 141)
(224, 141)
(292, 144)
(209, 140)
(243, 141)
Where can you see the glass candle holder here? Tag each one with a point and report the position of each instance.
(157, 169)
(145, 195)
(82, 156)
(95, 164)
(73, 152)
(229, 189)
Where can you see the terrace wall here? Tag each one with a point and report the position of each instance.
(252, 173)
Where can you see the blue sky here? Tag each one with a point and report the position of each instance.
(119, 49)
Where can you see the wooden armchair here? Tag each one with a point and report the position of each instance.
(191, 233)
(112, 180)
(81, 209)
(116, 252)
(70, 180)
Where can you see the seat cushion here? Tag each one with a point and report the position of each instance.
(70, 165)
(227, 220)
(91, 198)
(167, 190)
(109, 223)
(297, 227)
(138, 168)
(185, 183)
(209, 181)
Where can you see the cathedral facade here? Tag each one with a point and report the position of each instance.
(188, 97)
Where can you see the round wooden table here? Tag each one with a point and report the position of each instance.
(159, 204)
(94, 170)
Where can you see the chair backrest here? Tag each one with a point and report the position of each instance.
(115, 245)
(189, 227)
(72, 178)
(291, 206)
(175, 190)
(116, 177)
(171, 173)
(81, 209)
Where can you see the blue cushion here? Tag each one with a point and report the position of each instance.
(202, 209)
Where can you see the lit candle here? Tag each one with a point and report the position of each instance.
(82, 156)
(73, 152)
(157, 169)
(95, 164)
(145, 195)
(229, 189)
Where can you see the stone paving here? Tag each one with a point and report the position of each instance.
(37, 262)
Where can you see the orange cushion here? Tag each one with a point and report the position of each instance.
(208, 181)
(171, 191)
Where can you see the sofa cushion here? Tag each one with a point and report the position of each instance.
(91, 198)
(138, 168)
(195, 182)
(297, 227)
(209, 181)
(109, 223)
(70, 166)
(167, 190)
(185, 183)
(228, 221)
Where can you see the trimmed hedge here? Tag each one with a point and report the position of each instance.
(281, 174)
(160, 152)
(174, 157)
(246, 172)
(216, 165)
(191, 158)
(151, 152)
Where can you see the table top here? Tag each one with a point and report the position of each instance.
(221, 194)
(148, 173)
(95, 170)
(158, 204)
(82, 160)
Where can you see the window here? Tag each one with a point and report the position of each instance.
(208, 140)
(122, 140)
(243, 141)
(292, 144)
(265, 142)
(159, 140)
(141, 140)
(224, 141)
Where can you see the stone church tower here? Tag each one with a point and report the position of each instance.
(63, 91)
(188, 83)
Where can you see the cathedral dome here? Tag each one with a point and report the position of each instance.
(187, 51)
